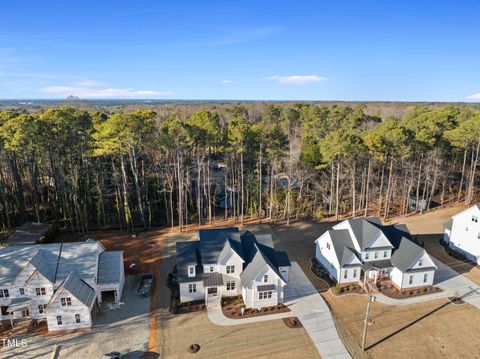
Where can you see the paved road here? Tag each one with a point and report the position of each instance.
(452, 283)
(309, 306)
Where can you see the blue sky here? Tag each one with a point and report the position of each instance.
(256, 50)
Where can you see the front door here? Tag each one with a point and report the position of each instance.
(25, 313)
(212, 291)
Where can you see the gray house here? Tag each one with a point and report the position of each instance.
(62, 283)
(225, 262)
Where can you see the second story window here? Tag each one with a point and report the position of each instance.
(42, 308)
(21, 291)
(66, 301)
(375, 255)
(41, 291)
(211, 269)
(230, 269)
(4, 293)
(59, 320)
(367, 255)
(475, 219)
(385, 254)
(328, 245)
(191, 271)
(265, 278)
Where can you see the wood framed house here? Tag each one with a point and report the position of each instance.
(225, 262)
(62, 283)
(363, 249)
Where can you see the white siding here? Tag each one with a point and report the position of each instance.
(326, 256)
(352, 275)
(67, 313)
(465, 233)
(402, 280)
(285, 272)
(186, 296)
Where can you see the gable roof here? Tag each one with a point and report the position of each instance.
(365, 230)
(110, 267)
(342, 245)
(45, 263)
(258, 262)
(187, 255)
(477, 206)
(78, 288)
(407, 254)
(212, 242)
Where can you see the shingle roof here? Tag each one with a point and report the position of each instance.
(342, 245)
(78, 288)
(406, 254)
(110, 267)
(212, 279)
(212, 241)
(365, 230)
(188, 254)
(45, 263)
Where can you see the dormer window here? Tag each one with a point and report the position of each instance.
(211, 269)
(265, 278)
(191, 271)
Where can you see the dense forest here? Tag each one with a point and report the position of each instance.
(133, 168)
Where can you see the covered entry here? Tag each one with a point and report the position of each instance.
(212, 282)
(18, 308)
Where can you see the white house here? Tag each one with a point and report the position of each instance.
(60, 282)
(462, 233)
(224, 262)
(358, 249)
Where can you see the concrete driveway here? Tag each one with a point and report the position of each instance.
(453, 284)
(309, 306)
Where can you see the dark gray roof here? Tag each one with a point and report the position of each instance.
(110, 267)
(28, 233)
(378, 264)
(212, 241)
(263, 288)
(365, 229)
(448, 225)
(342, 245)
(406, 254)
(188, 254)
(420, 269)
(212, 279)
(45, 263)
(259, 261)
(78, 288)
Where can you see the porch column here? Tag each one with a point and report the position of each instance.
(11, 319)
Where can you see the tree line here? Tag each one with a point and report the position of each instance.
(97, 170)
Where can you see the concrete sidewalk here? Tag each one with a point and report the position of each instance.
(309, 306)
(451, 282)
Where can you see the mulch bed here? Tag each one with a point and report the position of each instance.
(231, 307)
(320, 272)
(292, 322)
(390, 291)
(456, 300)
(349, 289)
(181, 308)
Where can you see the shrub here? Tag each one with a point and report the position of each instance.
(351, 288)
(337, 289)
(319, 214)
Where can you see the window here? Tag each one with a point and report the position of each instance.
(22, 291)
(4, 293)
(59, 320)
(375, 255)
(41, 291)
(265, 295)
(192, 288)
(475, 219)
(425, 277)
(42, 308)
(66, 301)
(77, 318)
(211, 269)
(230, 285)
(230, 269)
(328, 245)
(420, 262)
(367, 255)
(410, 279)
(191, 270)
(345, 274)
(265, 278)
(385, 254)
(478, 236)
(466, 228)
(355, 273)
